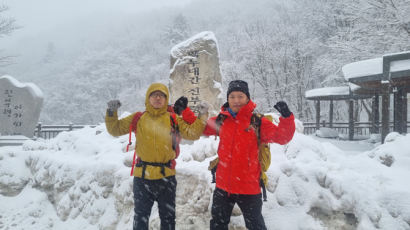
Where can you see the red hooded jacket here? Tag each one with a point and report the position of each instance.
(238, 170)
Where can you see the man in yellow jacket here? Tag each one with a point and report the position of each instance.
(154, 174)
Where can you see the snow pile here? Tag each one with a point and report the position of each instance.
(66, 183)
(80, 180)
(327, 133)
(400, 65)
(328, 91)
(323, 185)
(368, 67)
(373, 67)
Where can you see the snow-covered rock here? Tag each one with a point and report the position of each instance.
(21, 107)
(392, 136)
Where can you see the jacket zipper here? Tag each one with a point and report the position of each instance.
(155, 137)
(231, 153)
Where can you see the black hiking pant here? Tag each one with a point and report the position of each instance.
(145, 193)
(250, 205)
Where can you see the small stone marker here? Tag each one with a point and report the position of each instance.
(20, 106)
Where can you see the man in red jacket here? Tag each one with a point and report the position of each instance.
(238, 172)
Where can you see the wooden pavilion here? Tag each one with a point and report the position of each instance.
(389, 74)
(372, 78)
(331, 94)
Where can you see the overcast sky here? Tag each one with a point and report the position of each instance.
(38, 16)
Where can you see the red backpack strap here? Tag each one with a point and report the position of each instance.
(133, 128)
(174, 121)
(219, 121)
(134, 122)
(175, 131)
(176, 137)
(256, 126)
(170, 109)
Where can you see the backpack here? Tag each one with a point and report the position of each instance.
(264, 154)
(176, 139)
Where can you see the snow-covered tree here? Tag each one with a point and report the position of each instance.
(178, 31)
(281, 47)
(50, 53)
(7, 26)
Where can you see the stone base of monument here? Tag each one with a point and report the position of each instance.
(12, 140)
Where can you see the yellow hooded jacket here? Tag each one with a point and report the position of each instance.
(153, 138)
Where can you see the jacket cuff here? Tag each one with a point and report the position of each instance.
(188, 116)
(290, 118)
(203, 117)
(113, 117)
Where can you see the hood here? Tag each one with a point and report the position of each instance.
(156, 87)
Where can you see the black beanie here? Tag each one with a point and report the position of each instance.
(238, 85)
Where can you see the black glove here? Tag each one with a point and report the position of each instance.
(283, 109)
(113, 105)
(180, 105)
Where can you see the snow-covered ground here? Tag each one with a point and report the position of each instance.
(80, 180)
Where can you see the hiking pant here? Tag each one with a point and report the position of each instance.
(145, 193)
(250, 205)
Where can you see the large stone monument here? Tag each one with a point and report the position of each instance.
(195, 71)
(19, 108)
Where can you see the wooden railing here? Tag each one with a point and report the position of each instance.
(360, 128)
(51, 131)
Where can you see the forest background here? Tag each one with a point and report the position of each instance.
(281, 47)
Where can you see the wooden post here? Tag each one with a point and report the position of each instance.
(351, 119)
(373, 118)
(331, 114)
(375, 114)
(402, 111)
(70, 127)
(385, 109)
(356, 114)
(317, 114)
(404, 121)
(39, 130)
(396, 110)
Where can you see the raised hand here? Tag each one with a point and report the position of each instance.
(180, 105)
(283, 109)
(203, 108)
(113, 106)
